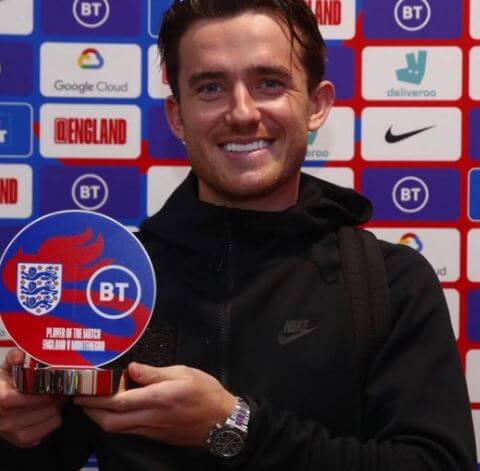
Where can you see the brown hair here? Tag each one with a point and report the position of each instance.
(297, 15)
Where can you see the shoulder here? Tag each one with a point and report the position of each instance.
(414, 289)
(402, 261)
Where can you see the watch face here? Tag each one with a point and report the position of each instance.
(227, 442)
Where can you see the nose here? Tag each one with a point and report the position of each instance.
(243, 110)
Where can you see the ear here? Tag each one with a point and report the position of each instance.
(321, 101)
(174, 117)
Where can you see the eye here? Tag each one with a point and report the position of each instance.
(210, 88)
(271, 84)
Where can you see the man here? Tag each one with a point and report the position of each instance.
(244, 249)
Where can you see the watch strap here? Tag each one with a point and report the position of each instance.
(228, 439)
(240, 416)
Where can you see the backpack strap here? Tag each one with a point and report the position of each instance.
(366, 280)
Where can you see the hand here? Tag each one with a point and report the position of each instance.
(177, 405)
(25, 419)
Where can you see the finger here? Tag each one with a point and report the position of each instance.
(133, 399)
(145, 374)
(11, 400)
(28, 418)
(114, 422)
(15, 356)
(32, 436)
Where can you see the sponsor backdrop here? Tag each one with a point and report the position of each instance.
(82, 126)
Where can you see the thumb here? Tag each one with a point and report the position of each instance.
(15, 356)
(145, 374)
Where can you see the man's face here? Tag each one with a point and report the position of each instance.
(245, 110)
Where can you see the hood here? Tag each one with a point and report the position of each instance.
(188, 223)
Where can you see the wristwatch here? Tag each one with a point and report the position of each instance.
(227, 440)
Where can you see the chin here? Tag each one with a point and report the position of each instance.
(243, 189)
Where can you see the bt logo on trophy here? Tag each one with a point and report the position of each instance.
(113, 292)
(78, 289)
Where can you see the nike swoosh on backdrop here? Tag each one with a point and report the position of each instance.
(392, 138)
(286, 339)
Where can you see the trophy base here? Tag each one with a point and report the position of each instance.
(68, 382)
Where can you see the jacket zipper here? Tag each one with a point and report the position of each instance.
(225, 312)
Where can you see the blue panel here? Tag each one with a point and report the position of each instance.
(473, 316)
(403, 19)
(16, 69)
(162, 143)
(91, 17)
(156, 10)
(340, 71)
(416, 194)
(15, 130)
(475, 134)
(111, 191)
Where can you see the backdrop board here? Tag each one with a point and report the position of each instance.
(405, 130)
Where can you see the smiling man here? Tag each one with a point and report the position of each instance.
(244, 107)
(251, 361)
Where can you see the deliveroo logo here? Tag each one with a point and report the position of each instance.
(415, 70)
(314, 152)
(312, 135)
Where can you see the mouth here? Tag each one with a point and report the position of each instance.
(246, 147)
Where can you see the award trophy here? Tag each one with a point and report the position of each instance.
(77, 291)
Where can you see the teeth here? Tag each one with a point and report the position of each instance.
(255, 145)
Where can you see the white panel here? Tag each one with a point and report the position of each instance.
(339, 176)
(476, 427)
(441, 247)
(161, 181)
(157, 78)
(16, 17)
(90, 70)
(381, 65)
(475, 19)
(453, 301)
(473, 255)
(388, 134)
(15, 191)
(336, 18)
(474, 89)
(473, 375)
(335, 140)
(75, 131)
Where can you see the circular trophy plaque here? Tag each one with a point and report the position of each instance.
(77, 292)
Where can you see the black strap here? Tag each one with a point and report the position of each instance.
(364, 273)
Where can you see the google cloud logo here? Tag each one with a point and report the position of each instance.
(412, 240)
(90, 59)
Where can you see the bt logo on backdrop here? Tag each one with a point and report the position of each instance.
(91, 13)
(412, 15)
(410, 194)
(90, 191)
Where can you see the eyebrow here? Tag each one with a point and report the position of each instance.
(276, 71)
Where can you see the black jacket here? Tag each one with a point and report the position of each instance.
(231, 284)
